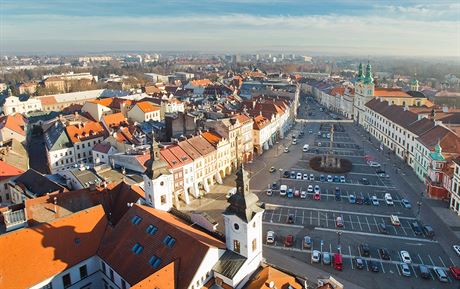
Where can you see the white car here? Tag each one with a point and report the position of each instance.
(405, 257)
(312, 177)
(342, 179)
(373, 164)
(405, 270)
(303, 194)
(270, 237)
(299, 176)
(316, 256)
(375, 201)
(310, 189)
(456, 249)
(329, 178)
(305, 177)
(317, 189)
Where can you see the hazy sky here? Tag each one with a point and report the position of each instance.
(380, 27)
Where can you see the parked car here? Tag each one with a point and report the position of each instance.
(406, 204)
(286, 149)
(424, 272)
(317, 189)
(359, 200)
(307, 242)
(388, 199)
(312, 177)
(405, 271)
(299, 176)
(305, 148)
(317, 196)
(373, 164)
(384, 254)
(292, 175)
(289, 241)
(352, 199)
(364, 250)
(339, 222)
(365, 181)
(326, 258)
(283, 190)
(310, 131)
(303, 194)
(305, 177)
(456, 249)
(375, 201)
(322, 178)
(383, 228)
(329, 178)
(269, 192)
(272, 170)
(316, 256)
(342, 179)
(373, 266)
(442, 276)
(270, 237)
(405, 257)
(286, 174)
(359, 263)
(336, 179)
(416, 228)
(274, 186)
(338, 261)
(428, 231)
(290, 193)
(338, 195)
(310, 188)
(395, 220)
(455, 272)
(297, 193)
(367, 200)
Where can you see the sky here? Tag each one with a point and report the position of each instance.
(317, 27)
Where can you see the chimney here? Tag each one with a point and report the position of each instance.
(55, 204)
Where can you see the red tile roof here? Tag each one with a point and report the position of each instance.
(201, 82)
(390, 92)
(147, 106)
(31, 255)
(7, 171)
(265, 275)
(201, 145)
(260, 122)
(15, 122)
(102, 147)
(48, 100)
(114, 119)
(85, 131)
(116, 247)
(212, 137)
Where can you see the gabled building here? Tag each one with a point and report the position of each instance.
(84, 136)
(144, 111)
(13, 126)
(455, 189)
(7, 173)
(13, 104)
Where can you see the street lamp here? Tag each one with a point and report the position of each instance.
(339, 233)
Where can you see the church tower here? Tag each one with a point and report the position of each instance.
(243, 221)
(414, 85)
(158, 182)
(368, 83)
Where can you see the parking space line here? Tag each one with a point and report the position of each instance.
(319, 224)
(351, 222)
(376, 225)
(303, 216)
(279, 218)
(444, 265)
(431, 260)
(376, 235)
(367, 266)
(452, 262)
(420, 258)
(404, 230)
(359, 223)
(381, 265)
(369, 226)
(351, 259)
(311, 213)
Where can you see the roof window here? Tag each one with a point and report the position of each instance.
(155, 261)
(137, 248)
(169, 241)
(136, 220)
(151, 229)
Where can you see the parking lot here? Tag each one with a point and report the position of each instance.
(359, 222)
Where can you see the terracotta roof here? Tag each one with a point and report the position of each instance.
(449, 141)
(48, 100)
(114, 119)
(243, 118)
(147, 106)
(260, 122)
(15, 122)
(152, 89)
(170, 158)
(212, 137)
(116, 247)
(180, 154)
(85, 131)
(338, 90)
(103, 101)
(189, 150)
(421, 126)
(390, 92)
(102, 147)
(31, 255)
(165, 278)
(117, 102)
(201, 145)
(7, 171)
(201, 82)
(264, 275)
(394, 113)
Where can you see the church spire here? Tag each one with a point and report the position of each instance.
(155, 165)
(368, 78)
(360, 72)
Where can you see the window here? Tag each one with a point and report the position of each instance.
(123, 284)
(151, 229)
(155, 261)
(137, 248)
(169, 241)
(111, 274)
(104, 269)
(66, 280)
(163, 200)
(83, 272)
(48, 286)
(254, 245)
(136, 220)
(236, 246)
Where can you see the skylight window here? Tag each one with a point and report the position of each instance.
(169, 241)
(151, 229)
(155, 261)
(136, 220)
(137, 248)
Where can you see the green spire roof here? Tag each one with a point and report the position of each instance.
(368, 78)
(437, 154)
(360, 73)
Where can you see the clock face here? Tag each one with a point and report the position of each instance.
(236, 226)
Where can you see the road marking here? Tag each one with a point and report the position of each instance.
(351, 259)
(383, 269)
(311, 213)
(420, 258)
(269, 206)
(351, 222)
(279, 218)
(444, 265)
(359, 222)
(415, 273)
(303, 216)
(319, 224)
(376, 235)
(431, 260)
(284, 225)
(452, 262)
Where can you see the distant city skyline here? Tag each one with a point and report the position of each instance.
(338, 27)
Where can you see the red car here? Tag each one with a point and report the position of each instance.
(289, 241)
(455, 271)
(296, 193)
(317, 196)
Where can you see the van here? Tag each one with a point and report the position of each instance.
(389, 199)
(338, 264)
(305, 148)
(395, 220)
(283, 190)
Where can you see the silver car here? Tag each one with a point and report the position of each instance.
(405, 270)
(315, 256)
(326, 258)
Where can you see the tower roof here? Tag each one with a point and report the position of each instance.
(360, 73)
(368, 78)
(243, 203)
(156, 166)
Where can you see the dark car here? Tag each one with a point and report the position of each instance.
(373, 266)
(286, 174)
(338, 195)
(428, 231)
(290, 219)
(322, 178)
(424, 272)
(364, 249)
(336, 179)
(384, 254)
(383, 228)
(274, 186)
(364, 181)
(359, 263)
(359, 200)
(367, 201)
(416, 227)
